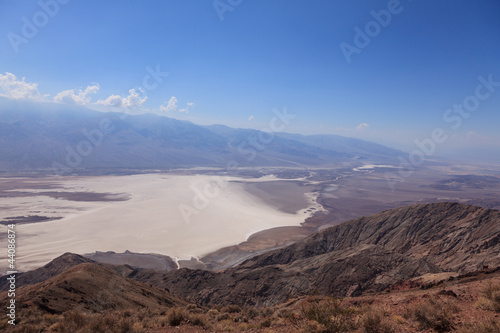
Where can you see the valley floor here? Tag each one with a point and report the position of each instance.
(217, 218)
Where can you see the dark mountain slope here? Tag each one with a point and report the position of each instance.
(94, 288)
(365, 254)
(454, 236)
(343, 273)
(53, 268)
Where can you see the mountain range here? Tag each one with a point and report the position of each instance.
(66, 139)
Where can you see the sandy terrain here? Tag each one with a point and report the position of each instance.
(178, 216)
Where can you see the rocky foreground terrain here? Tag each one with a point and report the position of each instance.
(428, 267)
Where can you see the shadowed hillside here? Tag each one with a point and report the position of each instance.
(363, 255)
(94, 288)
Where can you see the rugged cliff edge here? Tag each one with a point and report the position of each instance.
(368, 254)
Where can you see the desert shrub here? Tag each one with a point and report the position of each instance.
(398, 319)
(251, 312)
(212, 313)
(374, 321)
(126, 326)
(285, 313)
(490, 297)
(141, 315)
(330, 313)
(26, 329)
(176, 316)
(224, 316)
(74, 318)
(225, 326)
(267, 322)
(57, 327)
(240, 319)
(482, 326)
(431, 314)
(231, 309)
(110, 322)
(49, 319)
(266, 312)
(199, 320)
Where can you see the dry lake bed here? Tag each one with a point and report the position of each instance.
(176, 215)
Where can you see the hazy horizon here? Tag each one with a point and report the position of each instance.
(391, 72)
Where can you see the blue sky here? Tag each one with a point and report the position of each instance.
(232, 62)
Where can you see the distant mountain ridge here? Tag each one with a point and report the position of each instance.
(67, 139)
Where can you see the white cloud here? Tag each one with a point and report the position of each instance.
(82, 97)
(188, 107)
(18, 89)
(133, 100)
(473, 138)
(362, 126)
(251, 118)
(171, 105)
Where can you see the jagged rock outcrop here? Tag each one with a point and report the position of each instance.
(349, 272)
(92, 287)
(454, 236)
(365, 254)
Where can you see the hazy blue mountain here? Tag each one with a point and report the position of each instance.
(342, 144)
(67, 139)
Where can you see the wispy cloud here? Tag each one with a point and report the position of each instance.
(81, 97)
(132, 101)
(18, 89)
(362, 126)
(188, 107)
